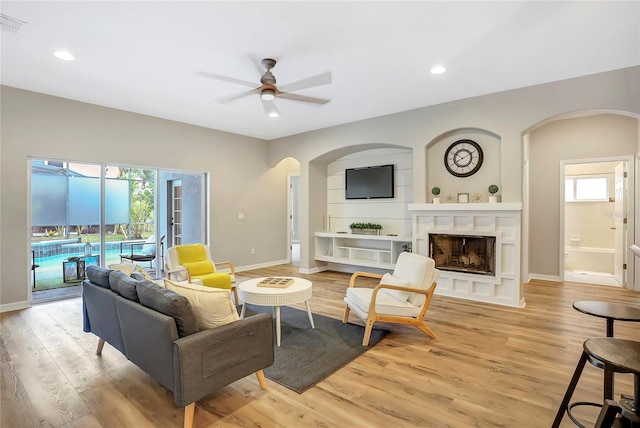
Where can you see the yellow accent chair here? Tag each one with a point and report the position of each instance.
(402, 297)
(192, 263)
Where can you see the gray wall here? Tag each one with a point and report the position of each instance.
(241, 178)
(248, 175)
(568, 139)
(509, 115)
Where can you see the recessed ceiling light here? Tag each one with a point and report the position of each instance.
(274, 114)
(64, 55)
(438, 69)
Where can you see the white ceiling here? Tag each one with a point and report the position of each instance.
(142, 56)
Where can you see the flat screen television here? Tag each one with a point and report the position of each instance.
(371, 182)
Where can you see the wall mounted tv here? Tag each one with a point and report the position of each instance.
(371, 182)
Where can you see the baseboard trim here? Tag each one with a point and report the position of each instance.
(313, 270)
(15, 306)
(262, 265)
(552, 278)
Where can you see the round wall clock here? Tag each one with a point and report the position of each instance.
(463, 158)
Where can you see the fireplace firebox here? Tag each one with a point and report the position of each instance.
(464, 253)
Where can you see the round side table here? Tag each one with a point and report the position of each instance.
(300, 291)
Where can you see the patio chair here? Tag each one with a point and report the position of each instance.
(401, 298)
(141, 250)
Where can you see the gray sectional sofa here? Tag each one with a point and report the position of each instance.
(155, 328)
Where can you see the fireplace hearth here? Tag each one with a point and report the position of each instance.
(464, 253)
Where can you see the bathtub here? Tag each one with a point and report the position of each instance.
(589, 259)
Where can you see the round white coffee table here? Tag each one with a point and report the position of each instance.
(299, 291)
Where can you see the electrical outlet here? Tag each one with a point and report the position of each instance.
(253, 251)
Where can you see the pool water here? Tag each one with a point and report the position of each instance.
(112, 256)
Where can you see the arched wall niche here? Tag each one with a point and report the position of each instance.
(579, 135)
(314, 196)
(476, 185)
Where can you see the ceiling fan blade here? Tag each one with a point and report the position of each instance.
(233, 97)
(270, 108)
(309, 82)
(303, 98)
(225, 78)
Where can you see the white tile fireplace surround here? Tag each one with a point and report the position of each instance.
(499, 220)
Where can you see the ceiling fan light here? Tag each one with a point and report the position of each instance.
(268, 95)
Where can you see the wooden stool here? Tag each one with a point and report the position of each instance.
(615, 355)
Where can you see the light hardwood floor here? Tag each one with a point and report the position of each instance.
(491, 366)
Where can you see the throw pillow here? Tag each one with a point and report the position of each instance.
(212, 306)
(400, 295)
(149, 247)
(126, 266)
(142, 272)
(169, 303)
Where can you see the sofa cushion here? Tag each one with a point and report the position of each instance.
(389, 279)
(149, 247)
(169, 303)
(359, 299)
(212, 306)
(218, 280)
(98, 275)
(199, 268)
(124, 285)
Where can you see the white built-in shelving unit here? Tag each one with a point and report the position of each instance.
(376, 251)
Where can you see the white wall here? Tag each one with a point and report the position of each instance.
(391, 214)
(242, 180)
(590, 221)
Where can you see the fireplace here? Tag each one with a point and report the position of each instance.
(499, 280)
(464, 253)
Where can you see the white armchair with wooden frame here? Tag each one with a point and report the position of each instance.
(192, 263)
(402, 297)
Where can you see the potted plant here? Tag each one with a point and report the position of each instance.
(365, 228)
(435, 192)
(493, 189)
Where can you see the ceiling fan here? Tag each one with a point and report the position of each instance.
(268, 90)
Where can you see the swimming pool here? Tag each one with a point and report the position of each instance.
(112, 256)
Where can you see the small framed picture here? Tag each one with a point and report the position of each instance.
(463, 198)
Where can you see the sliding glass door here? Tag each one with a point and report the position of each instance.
(70, 230)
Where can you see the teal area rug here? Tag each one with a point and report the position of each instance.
(307, 356)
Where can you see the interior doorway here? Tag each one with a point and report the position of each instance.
(594, 217)
(293, 220)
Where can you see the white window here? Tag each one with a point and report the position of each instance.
(586, 188)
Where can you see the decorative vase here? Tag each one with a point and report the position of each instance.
(493, 199)
(436, 200)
